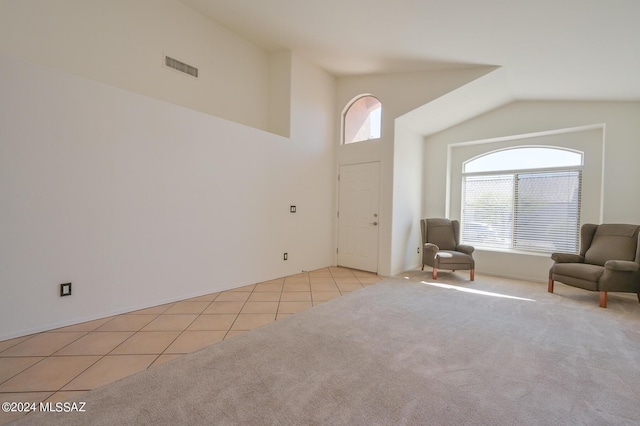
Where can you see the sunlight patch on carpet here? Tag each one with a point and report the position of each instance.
(480, 292)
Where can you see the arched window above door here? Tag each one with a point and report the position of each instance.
(361, 120)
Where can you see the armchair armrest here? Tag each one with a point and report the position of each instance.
(622, 265)
(466, 249)
(431, 247)
(567, 258)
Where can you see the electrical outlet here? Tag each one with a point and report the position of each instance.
(65, 289)
(418, 250)
(286, 256)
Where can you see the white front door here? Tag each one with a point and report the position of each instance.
(358, 219)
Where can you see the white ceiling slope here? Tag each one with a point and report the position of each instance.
(546, 49)
(550, 49)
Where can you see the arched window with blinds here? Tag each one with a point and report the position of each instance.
(524, 198)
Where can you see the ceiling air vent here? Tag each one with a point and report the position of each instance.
(180, 66)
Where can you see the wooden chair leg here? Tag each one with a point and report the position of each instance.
(435, 273)
(423, 266)
(638, 297)
(550, 288)
(603, 299)
(472, 274)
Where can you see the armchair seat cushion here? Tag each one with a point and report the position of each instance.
(583, 271)
(582, 275)
(448, 259)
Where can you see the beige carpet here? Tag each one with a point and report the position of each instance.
(402, 352)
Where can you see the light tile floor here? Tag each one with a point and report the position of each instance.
(60, 364)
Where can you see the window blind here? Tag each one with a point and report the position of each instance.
(532, 210)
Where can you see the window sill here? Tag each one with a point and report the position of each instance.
(513, 251)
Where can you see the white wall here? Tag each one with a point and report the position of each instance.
(122, 42)
(139, 202)
(279, 112)
(620, 171)
(408, 182)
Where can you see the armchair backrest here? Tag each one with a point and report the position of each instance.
(610, 242)
(444, 233)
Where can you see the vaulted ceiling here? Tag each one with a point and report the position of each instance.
(548, 49)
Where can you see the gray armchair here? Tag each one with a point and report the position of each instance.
(609, 260)
(441, 248)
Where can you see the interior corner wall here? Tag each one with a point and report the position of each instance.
(407, 199)
(309, 169)
(620, 172)
(123, 42)
(140, 202)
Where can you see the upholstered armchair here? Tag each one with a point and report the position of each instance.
(441, 248)
(609, 260)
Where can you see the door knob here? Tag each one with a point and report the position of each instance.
(374, 223)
